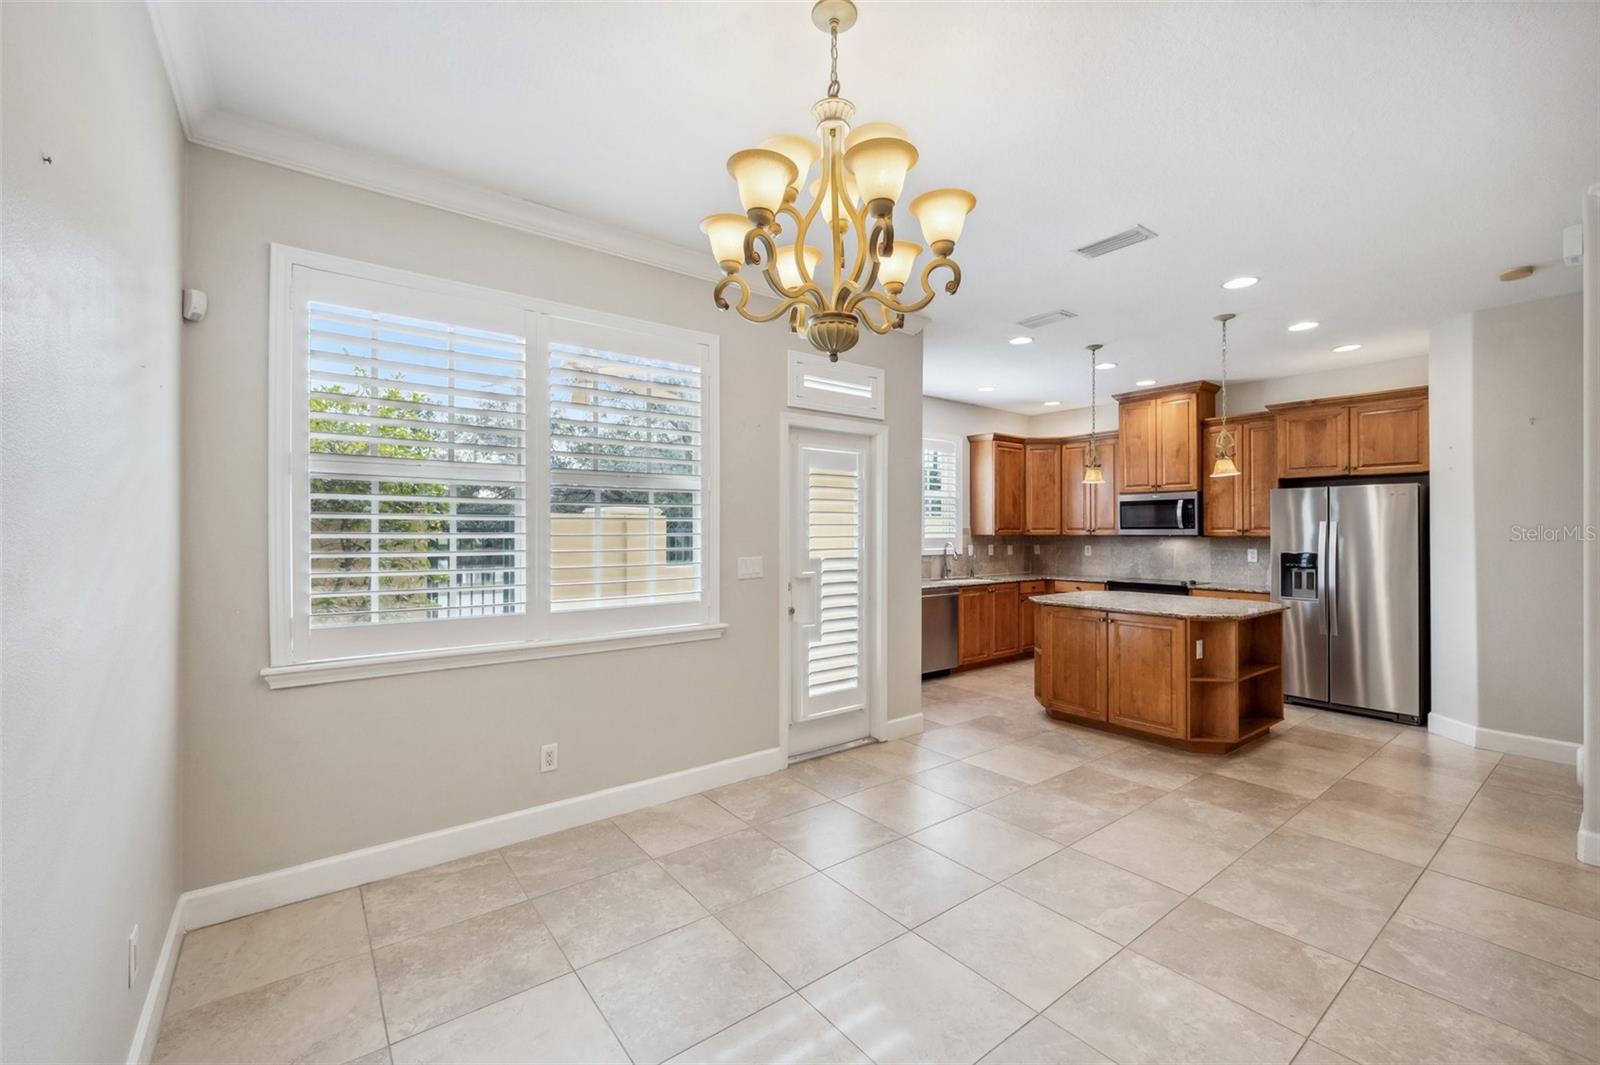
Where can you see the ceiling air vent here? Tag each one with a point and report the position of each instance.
(1047, 318)
(1136, 235)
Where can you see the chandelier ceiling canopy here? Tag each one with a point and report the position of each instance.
(856, 271)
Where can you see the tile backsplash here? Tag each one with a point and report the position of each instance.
(1191, 558)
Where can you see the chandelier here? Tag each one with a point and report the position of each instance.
(1225, 465)
(829, 292)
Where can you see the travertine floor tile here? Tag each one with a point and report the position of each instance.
(733, 868)
(1273, 974)
(899, 758)
(828, 834)
(908, 881)
(1138, 1011)
(1529, 822)
(809, 928)
(837, 775)
(903, 806)
(1076, 742)
(1310, 734)
(966, 783)
(553, 1023)
(225, 959)
(1376, 1019)
(1156, 767)
(1447, 777)
(562, 859)
(986, 845)
(1295, 768)
(664, 996)
(1533, 996)
(1025, 764)
(1538, 776)
(1041, 1043)
(764, 798)
(1569, 885)
(327, 1014)
(1408, 828)
(908, 1002)
(1319, 891)
(1032, 953)
(1114, 902)
(419, 902)
(613, 912)
(434, 977)
(788, 1031)
(1545, 932)
(1072, 805)
(1317, 1054)
(966, 739)
(675, 825)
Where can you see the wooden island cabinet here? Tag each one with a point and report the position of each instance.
(1203, 673)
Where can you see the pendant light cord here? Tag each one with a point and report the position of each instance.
(1224, 375)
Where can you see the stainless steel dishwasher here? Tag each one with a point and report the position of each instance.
(940, 629)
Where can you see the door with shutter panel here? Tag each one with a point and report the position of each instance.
(829, 587)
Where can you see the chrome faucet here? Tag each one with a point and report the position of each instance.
(944, 565)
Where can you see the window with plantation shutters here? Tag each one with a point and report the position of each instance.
(458, 469)
(941, 494)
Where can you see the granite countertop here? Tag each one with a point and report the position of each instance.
(1009, 578)
(1168, 606)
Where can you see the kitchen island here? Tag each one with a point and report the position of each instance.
(1203, 674)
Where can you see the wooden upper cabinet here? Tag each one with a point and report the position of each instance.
(1260, 475)
(1221, 510)
(1158, 437)
(1314, 442)
(1147, 673)
(1136, 432)
(1088, 508)
(996, 482)
(1381, 432)
(1389, 435)
(1103, 497)
(1042, 489)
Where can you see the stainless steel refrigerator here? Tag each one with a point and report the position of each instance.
(1349, 564)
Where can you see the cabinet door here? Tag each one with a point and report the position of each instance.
(1070, 676)
(1103, 497)
(1009, 480)
(1147, 673)
(1007, 619)
(1136, 437)
(1389, 436)
(1260, 477)
(1029, 613)
(1314, 442)
(1074, 494)
(1221, 497)
(1177, 435)
(975, 626)
(1042, 482)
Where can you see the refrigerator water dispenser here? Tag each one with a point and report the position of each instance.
(1298, 575)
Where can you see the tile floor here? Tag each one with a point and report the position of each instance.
(1002, 888)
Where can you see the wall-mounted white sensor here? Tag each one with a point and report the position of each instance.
(194, 305)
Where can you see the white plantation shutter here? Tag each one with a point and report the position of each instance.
(834, 519)
(941, 494)
(627, 446)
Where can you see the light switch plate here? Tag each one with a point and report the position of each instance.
(750, 568)
(1088, 549)
(1250, 554)
(1011, 549)
(991, 550)
(1036, 549)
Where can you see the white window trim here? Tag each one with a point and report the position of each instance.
(929, 547)
(805, 396)
(284, 406)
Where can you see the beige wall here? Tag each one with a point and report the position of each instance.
(1452, 528)
(89, 440)
(274, 778)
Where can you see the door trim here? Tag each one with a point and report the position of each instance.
(876, 507)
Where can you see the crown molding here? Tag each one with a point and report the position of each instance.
(183, 53)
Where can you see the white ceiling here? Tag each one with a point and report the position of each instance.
(1375, 164)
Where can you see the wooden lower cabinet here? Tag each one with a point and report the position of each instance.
(1147, 679)
(1005, 606)
(1028, 613)
(975, 626)
(995, 622)
(1072, 678)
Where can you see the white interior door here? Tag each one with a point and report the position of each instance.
(831, 608)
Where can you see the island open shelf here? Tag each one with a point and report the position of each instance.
(1204, 674)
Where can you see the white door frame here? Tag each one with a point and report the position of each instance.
(876, 643)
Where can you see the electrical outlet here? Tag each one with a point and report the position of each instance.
(1088, 549)
(133, 956)
(1036, 549)
(991, 550)
(547, 758)
(1250, 554)
(1011, 549)
(1199, 649)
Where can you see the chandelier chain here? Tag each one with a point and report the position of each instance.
(833, 57)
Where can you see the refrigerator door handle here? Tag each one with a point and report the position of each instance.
(1333, 578)
(1322, 584)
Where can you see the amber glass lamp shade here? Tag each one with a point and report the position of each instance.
(894, 270)
(1093, 475)
(1225, 466)
(726, 233)
(801, 151)
(942, 214)
(880, 166)
(789, 271)
(762, 175)
(869, 131)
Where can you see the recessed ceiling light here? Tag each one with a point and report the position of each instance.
(1022, 340)
(1342, 348)
(1052, 403)
(1240, 282)
(1145, 383)
(1301, 327)
(1105, 366)
(986, 388)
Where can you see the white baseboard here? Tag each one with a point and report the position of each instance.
(223, 902)
(1588, 846)
(1490, 739)
(897, 728)
(143, 1046)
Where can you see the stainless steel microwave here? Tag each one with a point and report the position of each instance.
(1159, 514)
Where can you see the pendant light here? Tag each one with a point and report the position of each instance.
(1225, 466)
(1092, 473)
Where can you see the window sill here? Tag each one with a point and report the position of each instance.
(343, 669)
